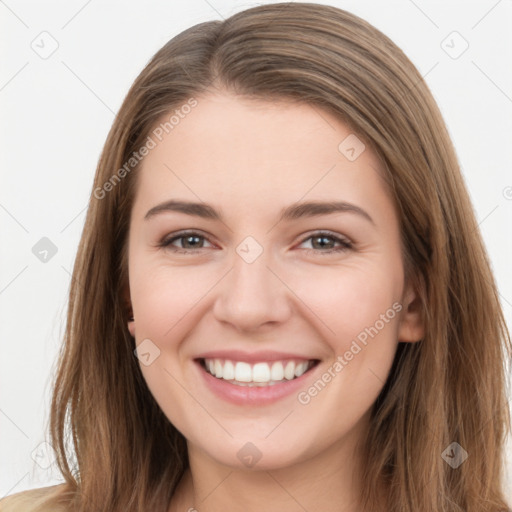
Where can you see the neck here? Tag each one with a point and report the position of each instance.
(327, 482)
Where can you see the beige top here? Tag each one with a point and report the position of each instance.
(33, 500)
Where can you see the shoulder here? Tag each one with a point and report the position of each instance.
(42, 499)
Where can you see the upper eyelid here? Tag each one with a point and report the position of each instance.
(183, 234)
(173, 237)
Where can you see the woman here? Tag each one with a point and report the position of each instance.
(219, 356)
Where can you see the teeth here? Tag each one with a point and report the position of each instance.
(277, 371)
(228, 371)
(289, 371)
(242, 371)
(218, 369)
(300, 369)
(259, 374)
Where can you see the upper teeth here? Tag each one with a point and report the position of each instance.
(263, 372)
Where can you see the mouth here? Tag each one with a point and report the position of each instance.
(258, 374)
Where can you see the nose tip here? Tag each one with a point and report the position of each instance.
(251, 295)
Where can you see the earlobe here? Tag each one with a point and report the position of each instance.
(131, 322)
(131, 326)
(127, 306)
(411, 328)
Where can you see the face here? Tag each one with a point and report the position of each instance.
(253, 286)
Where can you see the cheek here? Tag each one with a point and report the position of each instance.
(166, 302)
(349, 301)
(162, 296)
(358, 315)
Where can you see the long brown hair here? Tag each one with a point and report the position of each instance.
(117, 450)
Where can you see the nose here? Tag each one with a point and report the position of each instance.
(252, 295)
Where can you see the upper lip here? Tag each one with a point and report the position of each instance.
(251, 357)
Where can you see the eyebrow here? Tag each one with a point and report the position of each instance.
(293, 212)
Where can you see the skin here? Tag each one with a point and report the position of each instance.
(250, 159)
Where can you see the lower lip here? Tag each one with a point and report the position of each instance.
(255, 395)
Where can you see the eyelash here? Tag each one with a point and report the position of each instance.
(345, 244)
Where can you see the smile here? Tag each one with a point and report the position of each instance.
(260, 374)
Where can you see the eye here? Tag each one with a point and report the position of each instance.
(321, 241)
(191, 241)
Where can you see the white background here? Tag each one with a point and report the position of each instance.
(56, 113)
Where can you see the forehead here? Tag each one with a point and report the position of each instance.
(253, 152)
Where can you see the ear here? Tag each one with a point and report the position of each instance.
(127, 309)
(131, 326)
(411, 326)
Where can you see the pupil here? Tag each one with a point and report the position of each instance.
(190, 237)
(321, 238)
